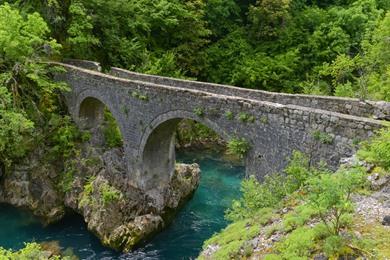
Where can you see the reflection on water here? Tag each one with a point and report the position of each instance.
(183, 239)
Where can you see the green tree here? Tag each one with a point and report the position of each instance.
(268, 17)
(25, 87)
(330, 196)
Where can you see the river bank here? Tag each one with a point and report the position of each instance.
(196, 221)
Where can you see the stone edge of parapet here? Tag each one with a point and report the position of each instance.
(242, 99)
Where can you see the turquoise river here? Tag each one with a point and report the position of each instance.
(198, 220)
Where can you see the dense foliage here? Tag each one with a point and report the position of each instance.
(331, 47)
(31, 112)
(321, 47)
(311, 208)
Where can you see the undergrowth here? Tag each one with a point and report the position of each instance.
(311, 208)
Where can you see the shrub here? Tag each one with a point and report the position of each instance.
(271, 191)
(109, 193)
(190, 131)
(64, 136)
(112, 133)
(233, 240)
(30, 251)
(67, 177)
(199, 111)
(298, 243)
(335, 246)
(298, 217)
(87, 192)
(377, 150)
(298, 169)
(238, 146)
(28, 95)
(257, 196)
(330, 196)
(322, 137)
(273, 257)
(229, 115)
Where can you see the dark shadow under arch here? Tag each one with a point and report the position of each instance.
(157, 148)
(97, 118)
(91, 113)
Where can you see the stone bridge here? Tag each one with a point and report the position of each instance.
(149, 108)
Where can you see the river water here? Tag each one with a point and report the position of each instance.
(183, 239)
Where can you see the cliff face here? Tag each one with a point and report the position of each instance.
(96, 186)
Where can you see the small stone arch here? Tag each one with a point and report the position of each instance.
(157, 147)
(90, 113)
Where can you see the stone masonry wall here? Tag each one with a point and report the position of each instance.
(141, 107)
(348, 106)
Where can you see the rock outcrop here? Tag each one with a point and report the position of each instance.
(32, 185)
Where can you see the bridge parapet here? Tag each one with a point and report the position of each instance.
(349, 106)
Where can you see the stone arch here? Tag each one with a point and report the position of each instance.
(90, 114)
(157, 147)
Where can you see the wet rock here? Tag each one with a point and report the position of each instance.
(136, 231)
(386, 221)
(51, 246)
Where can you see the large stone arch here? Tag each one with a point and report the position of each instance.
(157, 147)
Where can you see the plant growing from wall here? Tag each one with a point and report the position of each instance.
(238, 146)
(199, 111)
(67, 177)
(109, 193)
(86, 198)
(322, 137)
(264, 120)
(140, 96)
(246, 118)
(112, 133)
(229, 115)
